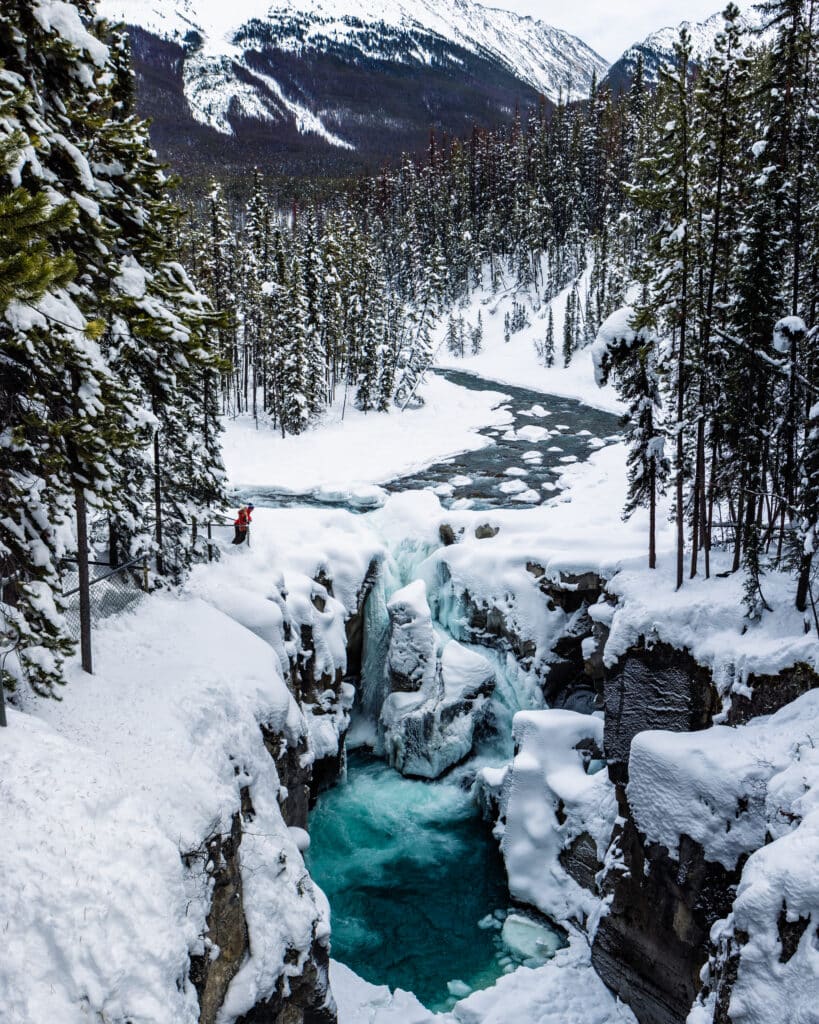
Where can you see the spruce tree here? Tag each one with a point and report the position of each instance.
(632, 357)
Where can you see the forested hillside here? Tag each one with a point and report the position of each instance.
(697, 204)
(110, 378)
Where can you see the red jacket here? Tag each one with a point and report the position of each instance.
(243, 519)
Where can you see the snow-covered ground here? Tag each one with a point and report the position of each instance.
(108, 798)
(350, 448)
(143, 761)
(516, 361)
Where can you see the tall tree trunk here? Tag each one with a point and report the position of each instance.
(652, 517)
(84, 579)
(160, 558)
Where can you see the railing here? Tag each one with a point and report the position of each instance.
(221, 524)
(111, 588)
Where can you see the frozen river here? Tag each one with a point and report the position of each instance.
(520, 466)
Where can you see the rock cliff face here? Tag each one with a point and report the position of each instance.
(653, 688)
(653, 943)
(302, 997)
(655, 937)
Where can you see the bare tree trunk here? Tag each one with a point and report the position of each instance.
(84, 580)
(160, 560)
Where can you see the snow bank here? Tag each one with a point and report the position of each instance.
(566, 990)
(727, 788)
(104, 794)
(362, 448)
(94, 921)
(707, 618)
(547, 800)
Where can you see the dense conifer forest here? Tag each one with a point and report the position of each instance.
(130, 328)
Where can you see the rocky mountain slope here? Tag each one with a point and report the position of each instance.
(304, 85)
(657, 49)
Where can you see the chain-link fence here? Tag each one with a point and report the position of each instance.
(112, 589)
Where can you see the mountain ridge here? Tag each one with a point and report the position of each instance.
(303, 83)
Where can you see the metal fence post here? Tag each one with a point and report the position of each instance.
(145, 574)
(210, 542)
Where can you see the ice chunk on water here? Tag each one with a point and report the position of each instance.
(536, 410)
(356, 496)
(554, 448)
(531, 433)
(516, 471)
(530, 496)
(569, 458)
(530, 939)
(443, 490)
(461, 480)
(512, 487)
(458, 988)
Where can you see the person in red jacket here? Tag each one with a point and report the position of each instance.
(242, 523)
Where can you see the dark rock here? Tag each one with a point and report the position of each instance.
(324, 581)
(770, 693)
(226, 927)
(651, 946)
(726, 978)
(658, 687)
(327, 771)
(487, 626)
(790, 933)
(486, 532)
(304, 998)
(447, 535)
(293, 773)
(580, 861)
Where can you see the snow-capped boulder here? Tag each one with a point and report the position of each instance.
(427, 732)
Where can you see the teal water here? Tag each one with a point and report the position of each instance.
(414, 880)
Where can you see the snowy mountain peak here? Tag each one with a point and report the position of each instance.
(657, 49)
(546, 59)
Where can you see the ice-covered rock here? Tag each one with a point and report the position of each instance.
(411, 659)
(438, 694)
